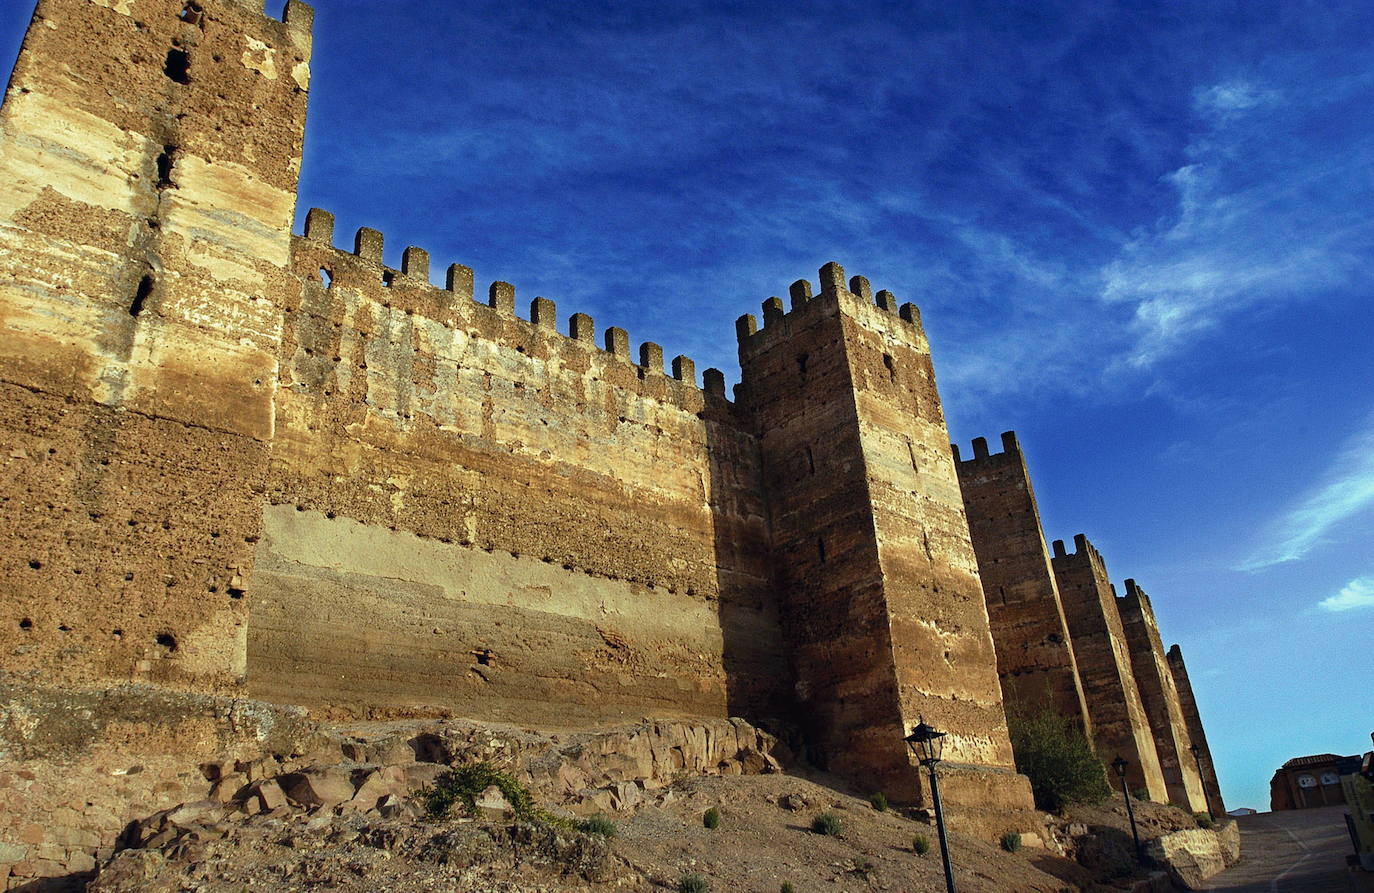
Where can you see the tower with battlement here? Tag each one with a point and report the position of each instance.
(1120, 724)
(1160, 697)
(149, 153)
(1197, 735)
(878, 585)
(1035, 653)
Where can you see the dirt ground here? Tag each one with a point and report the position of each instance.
(764, 840)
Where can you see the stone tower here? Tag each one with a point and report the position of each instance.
(1120, 726)
(1035, 654)
(1193, 719)
(150, 152)
(1160, 698)
(883, 610)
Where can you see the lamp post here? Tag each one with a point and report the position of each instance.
(1120, 766)
(928, 744)
(1207, 798)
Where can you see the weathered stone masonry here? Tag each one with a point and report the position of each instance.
(248, 462)
(1035, 653)
(242, 463)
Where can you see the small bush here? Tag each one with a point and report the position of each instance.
(464, 784)
(787, 887)
(1204, 821)
(1141, 794)
(920, 845)
(1011, 841)
(827, 823)
(1058, 760)
(693, 883)
(597, 824)
(711, 818)
(879, 801)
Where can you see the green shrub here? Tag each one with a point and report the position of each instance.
(711, 818)
(1204, 821)
(1058, 760)
(597, 824)
(920, 845)
(693, 883)
(827, 823)
(1141, 794)
(464, 784)
(1011, 841)
(879, 801)
(787, 887)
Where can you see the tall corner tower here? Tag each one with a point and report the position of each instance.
(884, 611)
(1035, 652)
(150, 151)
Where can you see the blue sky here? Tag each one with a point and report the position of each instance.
(1139, 233)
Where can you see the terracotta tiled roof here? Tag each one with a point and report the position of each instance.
(1314, 760)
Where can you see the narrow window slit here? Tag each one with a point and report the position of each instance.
(820, 549)
(145, 290)
(810, 460)
(326, 277)
(164, 167)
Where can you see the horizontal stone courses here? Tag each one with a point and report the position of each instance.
(459, 283)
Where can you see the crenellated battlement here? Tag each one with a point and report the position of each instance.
(779, 321)
(456, 304)
(1010, 449)
(1082, 549)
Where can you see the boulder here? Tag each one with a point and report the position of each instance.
(1194, 855)
(492, 805)
(318, 786)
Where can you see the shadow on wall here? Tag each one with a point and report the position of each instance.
(757, 665)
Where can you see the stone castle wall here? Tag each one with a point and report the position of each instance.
(472, 511)
(245, 463)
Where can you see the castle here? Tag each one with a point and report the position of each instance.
(248, 463)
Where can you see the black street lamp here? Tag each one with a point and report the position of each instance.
(1207, 798)
(927, 744)
(1120, 766)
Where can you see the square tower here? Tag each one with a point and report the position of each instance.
(1193, 719)
(1160, 697)
(150, 151)
(1120, 726)
(884, 613)
(1035, 655)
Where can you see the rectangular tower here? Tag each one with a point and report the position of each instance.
(1160, 697)
(884, 613)
(1193, 719)
(1120, 726)
(1035, 656)
(149, 153)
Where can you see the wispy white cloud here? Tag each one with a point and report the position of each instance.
(1347, 489)
(1358, 593)
(1244, 236)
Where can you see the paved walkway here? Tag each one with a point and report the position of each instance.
(1293, 851)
